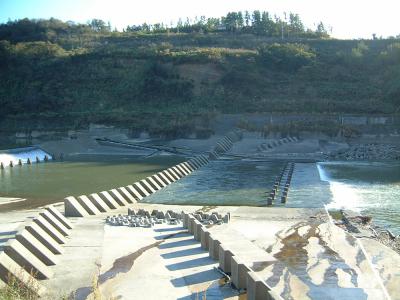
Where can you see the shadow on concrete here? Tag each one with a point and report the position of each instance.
(202, 261)
(185, 252)
(182, 243)
(196, 278)
(169, 229)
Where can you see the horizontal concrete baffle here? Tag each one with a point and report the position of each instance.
(73, 208)
(36, 247)
(134, 192)
(27, 260)
(44, 238)
(109, 200)
(8, 267)
(56, 213)
(141, 189)
(88, 205)
(118, 197)
(55, 222)
(99, 203)
(128, 196)
(50, 230)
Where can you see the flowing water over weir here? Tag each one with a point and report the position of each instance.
(371, 188)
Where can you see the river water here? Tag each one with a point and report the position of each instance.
(371, 188)
(51, 182)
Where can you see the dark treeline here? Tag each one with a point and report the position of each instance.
(256, 22)
(84, 73)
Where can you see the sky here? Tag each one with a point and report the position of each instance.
(351, 19)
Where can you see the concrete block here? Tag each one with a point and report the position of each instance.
(199, 161)
(182, 169)
(36, 247)
(225, 256)
(257, 289)
(118, 197)
(213, 247)
(9, 268)
(56, 213)
(88, 205)
(98, 202)
(129, 198)
(153, 183)
(196, 230)
(29, 262)
(147, 186)
(109, 200)
(158, 180)
(73, 208)
(139, 187)
(185, 220)
(193, 164)
(49, 229)
(43, 237)
(204, 237)
(239, 272)
(173, 173)
(177, 171)
(190, 223)
(188, 166)
(134, 192)
(164, 178)
(55, 222)
(169, 176)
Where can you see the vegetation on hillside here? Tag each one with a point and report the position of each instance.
(72, 74)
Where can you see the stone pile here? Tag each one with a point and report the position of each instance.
(213, 218)
(143, 218)
(368, 152)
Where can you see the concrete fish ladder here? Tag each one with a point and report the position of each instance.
(26, 257)
(94, 204)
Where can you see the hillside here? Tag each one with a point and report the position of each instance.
(161, 80)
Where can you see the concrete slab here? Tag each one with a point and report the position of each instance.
(182, 169)
(109, 200)
(188, 166)
(73, 208)
(98, 202)
(225, 256)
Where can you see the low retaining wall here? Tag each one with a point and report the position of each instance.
(242, 275)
